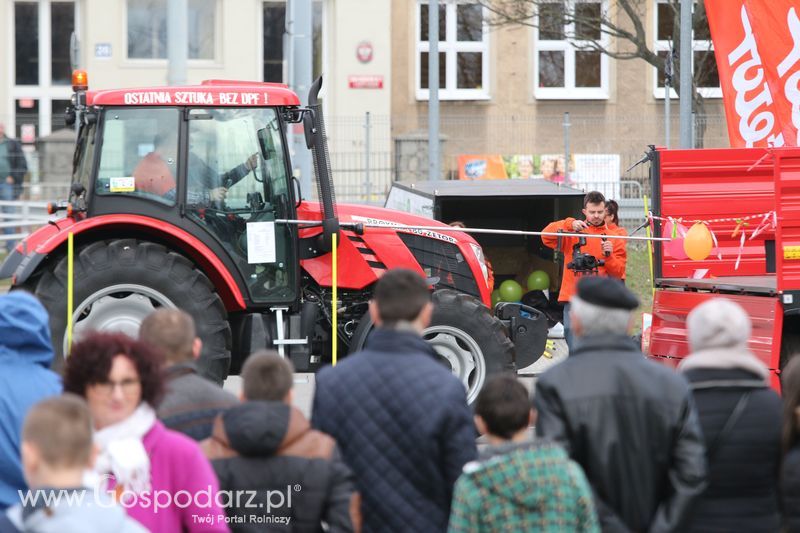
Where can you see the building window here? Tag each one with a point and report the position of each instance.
(565, 66)
(274, 27)
(463, 51)
(62, 24)
(704, 63)
(41, 66)
(147, 29)
(26, 43)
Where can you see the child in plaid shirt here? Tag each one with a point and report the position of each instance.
(518, 484)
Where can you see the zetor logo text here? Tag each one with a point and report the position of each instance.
(790, 88)
(754, 125)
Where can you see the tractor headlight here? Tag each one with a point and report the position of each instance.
(478, 251)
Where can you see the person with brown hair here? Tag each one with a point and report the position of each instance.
(190, 402)
(265, 444)
(518, 484)
(122, 382)
(56, 449)
(790, 470)
(612, 223)
(614, 259)
(400, 416)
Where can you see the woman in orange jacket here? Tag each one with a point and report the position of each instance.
(612, 223)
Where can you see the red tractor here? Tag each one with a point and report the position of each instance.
(184, 197)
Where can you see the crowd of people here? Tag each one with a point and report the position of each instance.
(132, 438)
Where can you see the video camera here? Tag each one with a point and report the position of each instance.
(583, 263)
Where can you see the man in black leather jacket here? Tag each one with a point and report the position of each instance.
(629, 422)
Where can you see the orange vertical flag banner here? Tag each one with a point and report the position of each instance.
(776, 26)
(749, 104)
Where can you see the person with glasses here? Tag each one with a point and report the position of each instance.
(160, 476)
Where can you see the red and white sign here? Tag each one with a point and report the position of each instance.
(364, 51)
(209, 93)
(27, 133)
(776, 26)
(749, 105)
(365, 82)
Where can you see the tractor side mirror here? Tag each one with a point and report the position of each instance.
(309, 128)
(69, 116)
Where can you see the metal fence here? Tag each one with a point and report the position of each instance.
(369, 152)
(19, 217)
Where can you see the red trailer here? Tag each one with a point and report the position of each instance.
(726, 187)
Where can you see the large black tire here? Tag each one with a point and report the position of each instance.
(461, 328)
(461, 318)
(146, 276)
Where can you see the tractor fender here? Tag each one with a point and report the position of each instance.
(47, 239)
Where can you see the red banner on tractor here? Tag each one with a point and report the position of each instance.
(752, 116)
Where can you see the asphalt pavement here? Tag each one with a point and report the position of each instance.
(304, 382)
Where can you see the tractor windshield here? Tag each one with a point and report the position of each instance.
(237, 185)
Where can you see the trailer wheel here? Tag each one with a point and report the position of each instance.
(469, 340)
(119, 282)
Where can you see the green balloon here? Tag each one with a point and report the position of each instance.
(510, 291)
(495, 297)
(538, 280)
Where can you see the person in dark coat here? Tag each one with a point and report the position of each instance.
(741, 421)
(629, 422)
(267, 448)
(399, 415)
(12, 173)
(790, 470)
(191, 402)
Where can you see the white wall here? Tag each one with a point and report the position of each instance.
(348, 23)
(237, 47)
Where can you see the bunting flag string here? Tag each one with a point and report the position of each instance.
(767, 221)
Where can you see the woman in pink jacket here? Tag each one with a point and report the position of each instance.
(160, 476)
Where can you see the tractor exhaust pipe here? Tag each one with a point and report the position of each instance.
(316, 140)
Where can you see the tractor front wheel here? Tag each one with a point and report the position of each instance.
(118, 283)
(471, 341)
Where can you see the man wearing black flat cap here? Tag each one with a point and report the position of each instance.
(629, 422)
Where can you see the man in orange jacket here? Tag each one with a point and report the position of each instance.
(594, 209)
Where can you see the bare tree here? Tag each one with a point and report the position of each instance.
(624, 23)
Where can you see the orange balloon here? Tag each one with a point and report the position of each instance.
(698, 242)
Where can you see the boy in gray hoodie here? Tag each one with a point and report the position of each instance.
(56, 450)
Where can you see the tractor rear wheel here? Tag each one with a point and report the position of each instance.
(119, 282)
(467, 337)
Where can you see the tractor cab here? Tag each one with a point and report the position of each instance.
(220, 173)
